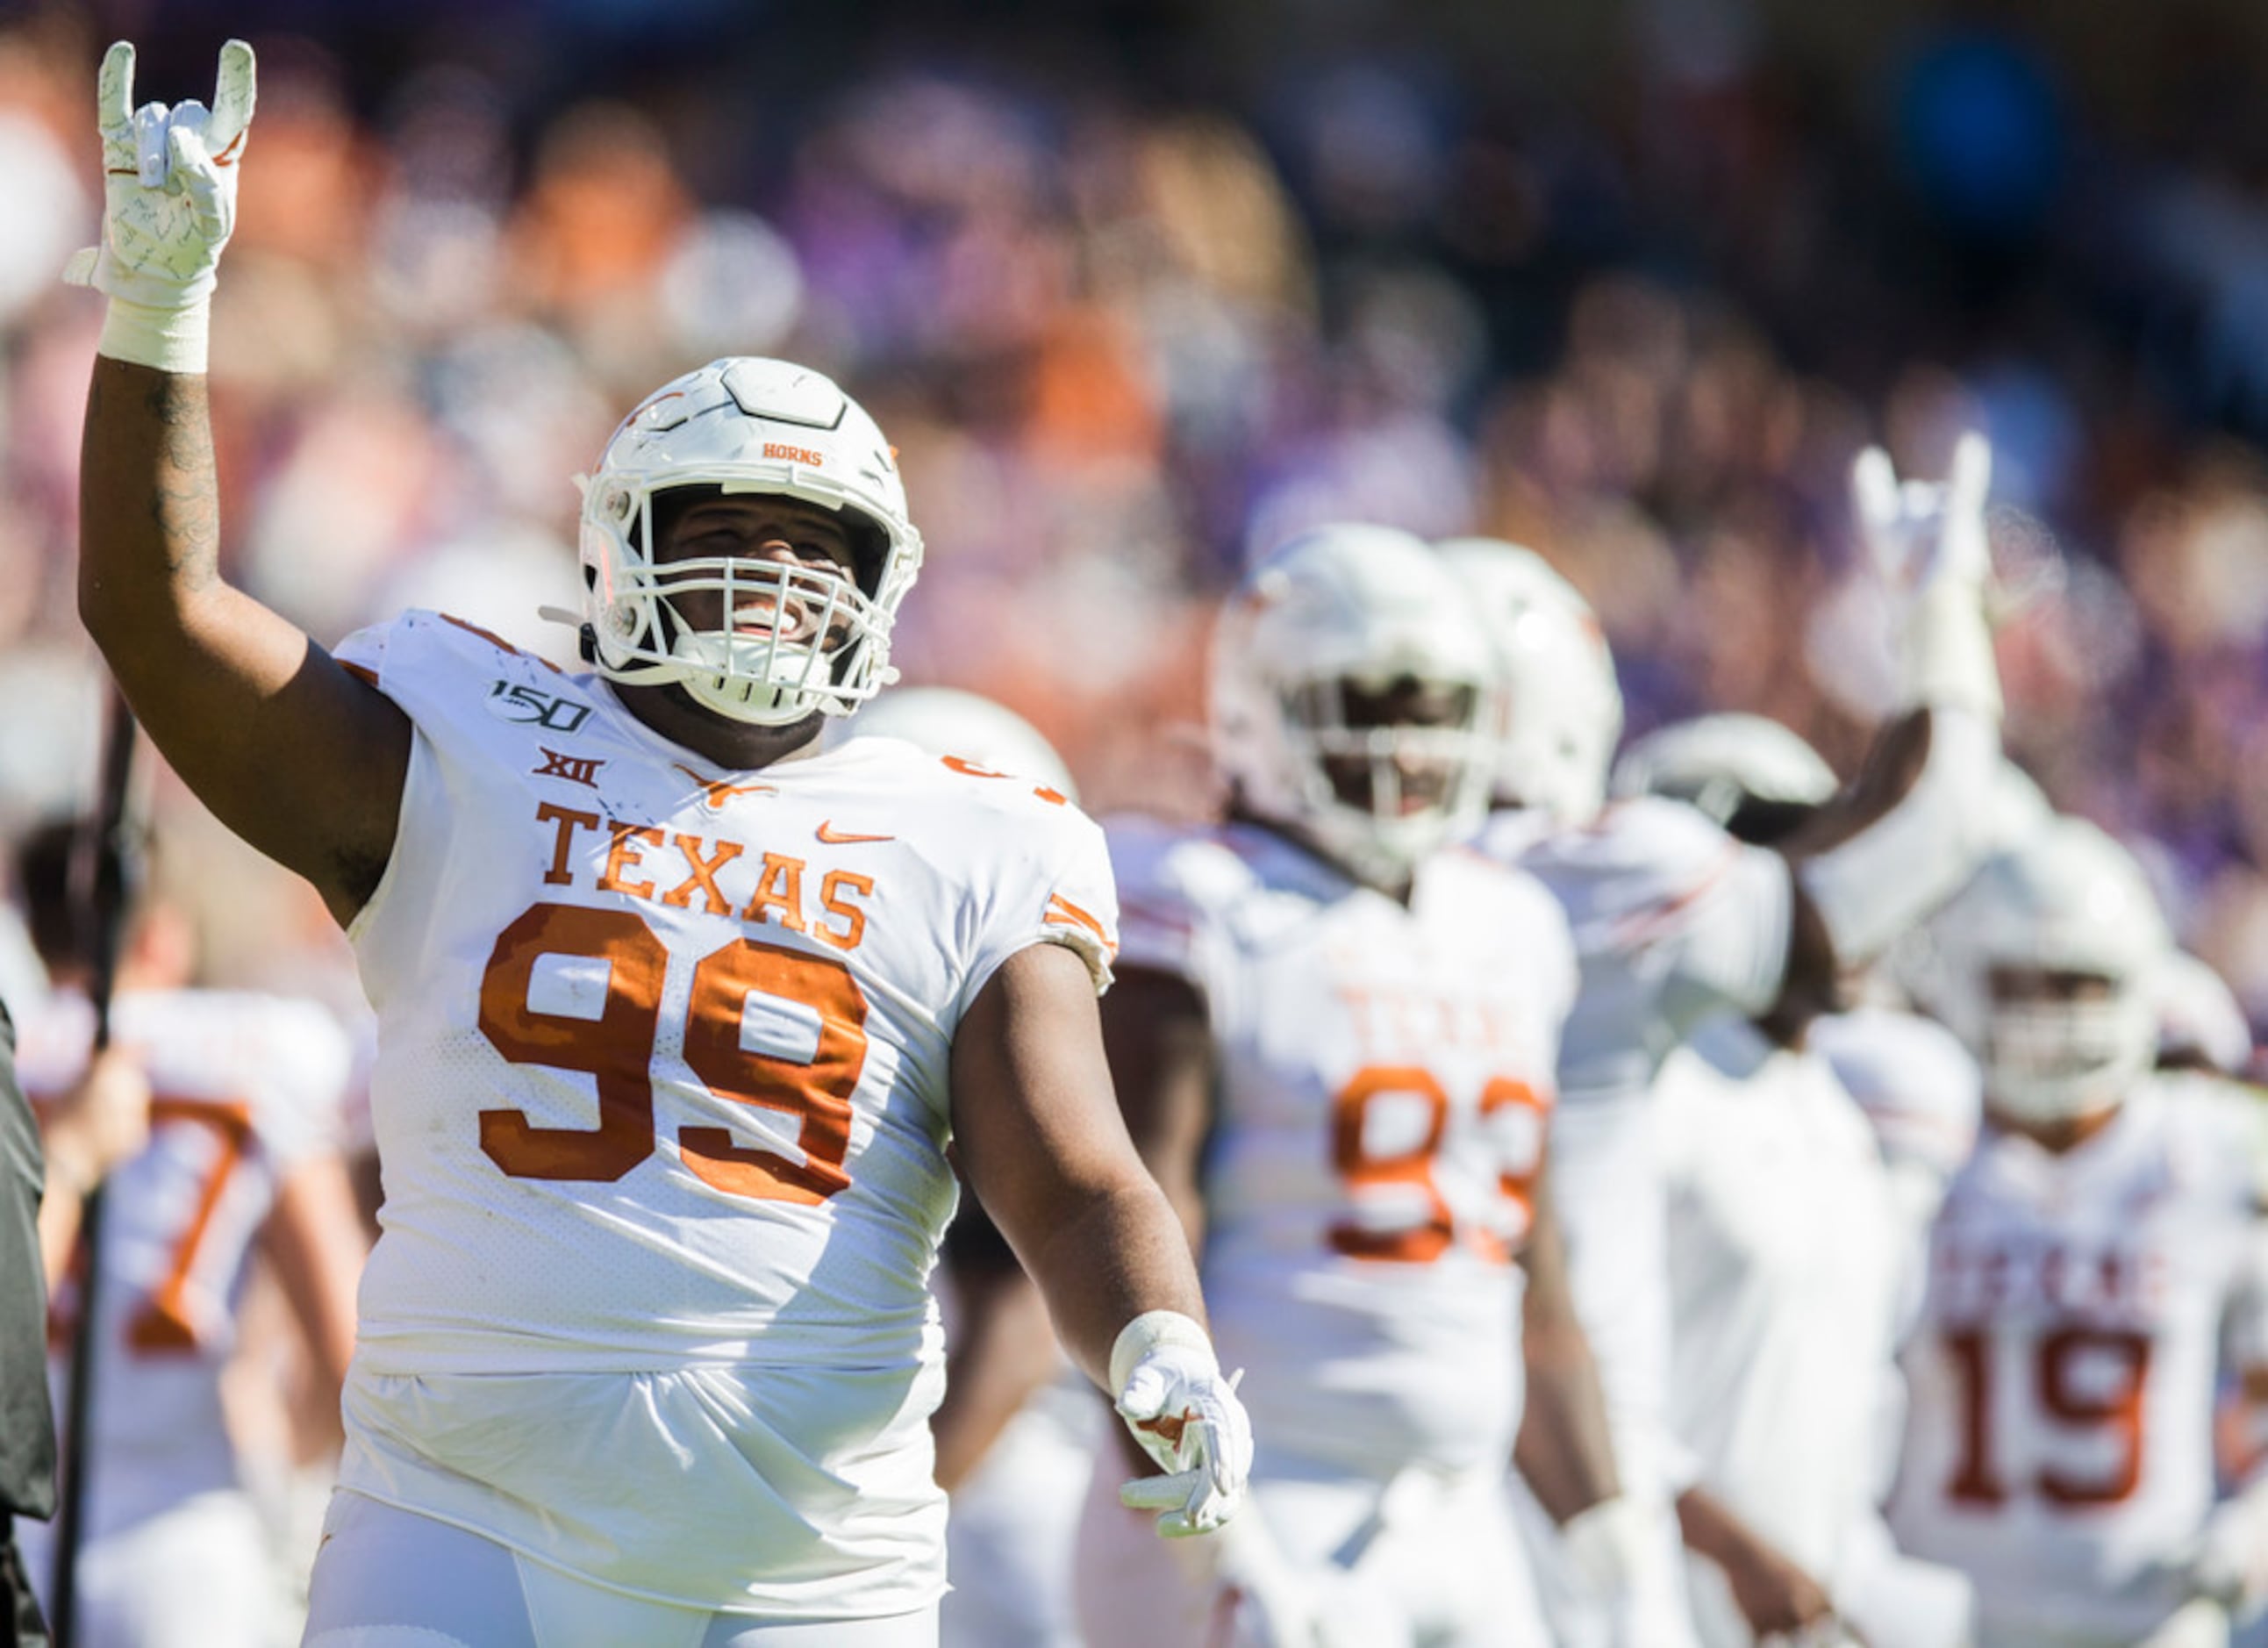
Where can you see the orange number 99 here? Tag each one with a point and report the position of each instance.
(615, 1049)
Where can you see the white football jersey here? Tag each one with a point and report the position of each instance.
(1919, 1087)
(246, 1087)
(1672, 921)
(662, 1088)
(1384, 1088)
(2081, 1309)
(1784, 1267)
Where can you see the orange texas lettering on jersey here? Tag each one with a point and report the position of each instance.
(1982, 1280)
(710, 872)
(1399, 1025)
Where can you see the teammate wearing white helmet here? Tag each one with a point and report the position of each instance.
(1789, 1259)
(240, 1168)
(2099, 1270)
(1334, 1038)
(1747, 773)
(1673, 920)
(677, 1015)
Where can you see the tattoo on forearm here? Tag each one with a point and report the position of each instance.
(187, 506)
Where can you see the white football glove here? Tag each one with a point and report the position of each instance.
(1918, 531)
(1186, 1416)
(169, 206)
(1929, 545)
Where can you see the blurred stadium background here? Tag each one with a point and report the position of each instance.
(1137, 288)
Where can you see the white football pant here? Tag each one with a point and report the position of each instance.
(386, 1577)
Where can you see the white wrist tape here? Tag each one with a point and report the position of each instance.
(171, 340)
(1148, 1331)
(1610, 1546)
(1892, 874)
(1948, 651)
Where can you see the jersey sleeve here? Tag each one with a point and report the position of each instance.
(1159, 911)
(1059, 892)
(1919, 1087)
(1672, 921)
(1658, 890)
(363, 654)
(1725, 926)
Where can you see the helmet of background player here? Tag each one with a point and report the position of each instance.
(1319, 660)
(744, 425)
(947, 722)
(2046, 965)
(1751, 775)
(1560, 710)
(2201, 1024)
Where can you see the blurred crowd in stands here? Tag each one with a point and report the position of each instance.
(1138, 299)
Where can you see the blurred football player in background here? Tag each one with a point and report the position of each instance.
(1334, 1038)
(241, 1168)
(2097, 1269)
(47, 1168)
(677, 1016)
(1789, 1262)
(1017, 1430)
(1673, 920)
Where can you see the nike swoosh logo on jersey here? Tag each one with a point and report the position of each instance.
(832, 837)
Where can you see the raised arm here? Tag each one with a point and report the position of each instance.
(290, 752)
(1889, 849)
(1045, 1151)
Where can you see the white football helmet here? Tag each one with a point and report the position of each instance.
(1719, 763)
(2070, 899)
(1560, 709)
(1368, 606)
(2200, 1020)
(947, 722)
(748, 425)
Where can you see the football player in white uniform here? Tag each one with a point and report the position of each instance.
(1016, 1432)
(241, 1163)
(2098, 1268)
(677, 1015)
(1788, 1260)
(1334, 1038)
(1673, 920)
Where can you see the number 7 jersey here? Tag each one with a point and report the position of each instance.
(2080, 1311)
(662, 1071)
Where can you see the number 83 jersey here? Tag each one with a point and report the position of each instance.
(2080, 1312)
(1382, 1081)
(663, 1052)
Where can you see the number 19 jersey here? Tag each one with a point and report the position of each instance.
(2079, 1310)
(662, 1087)
(1384, 1076)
